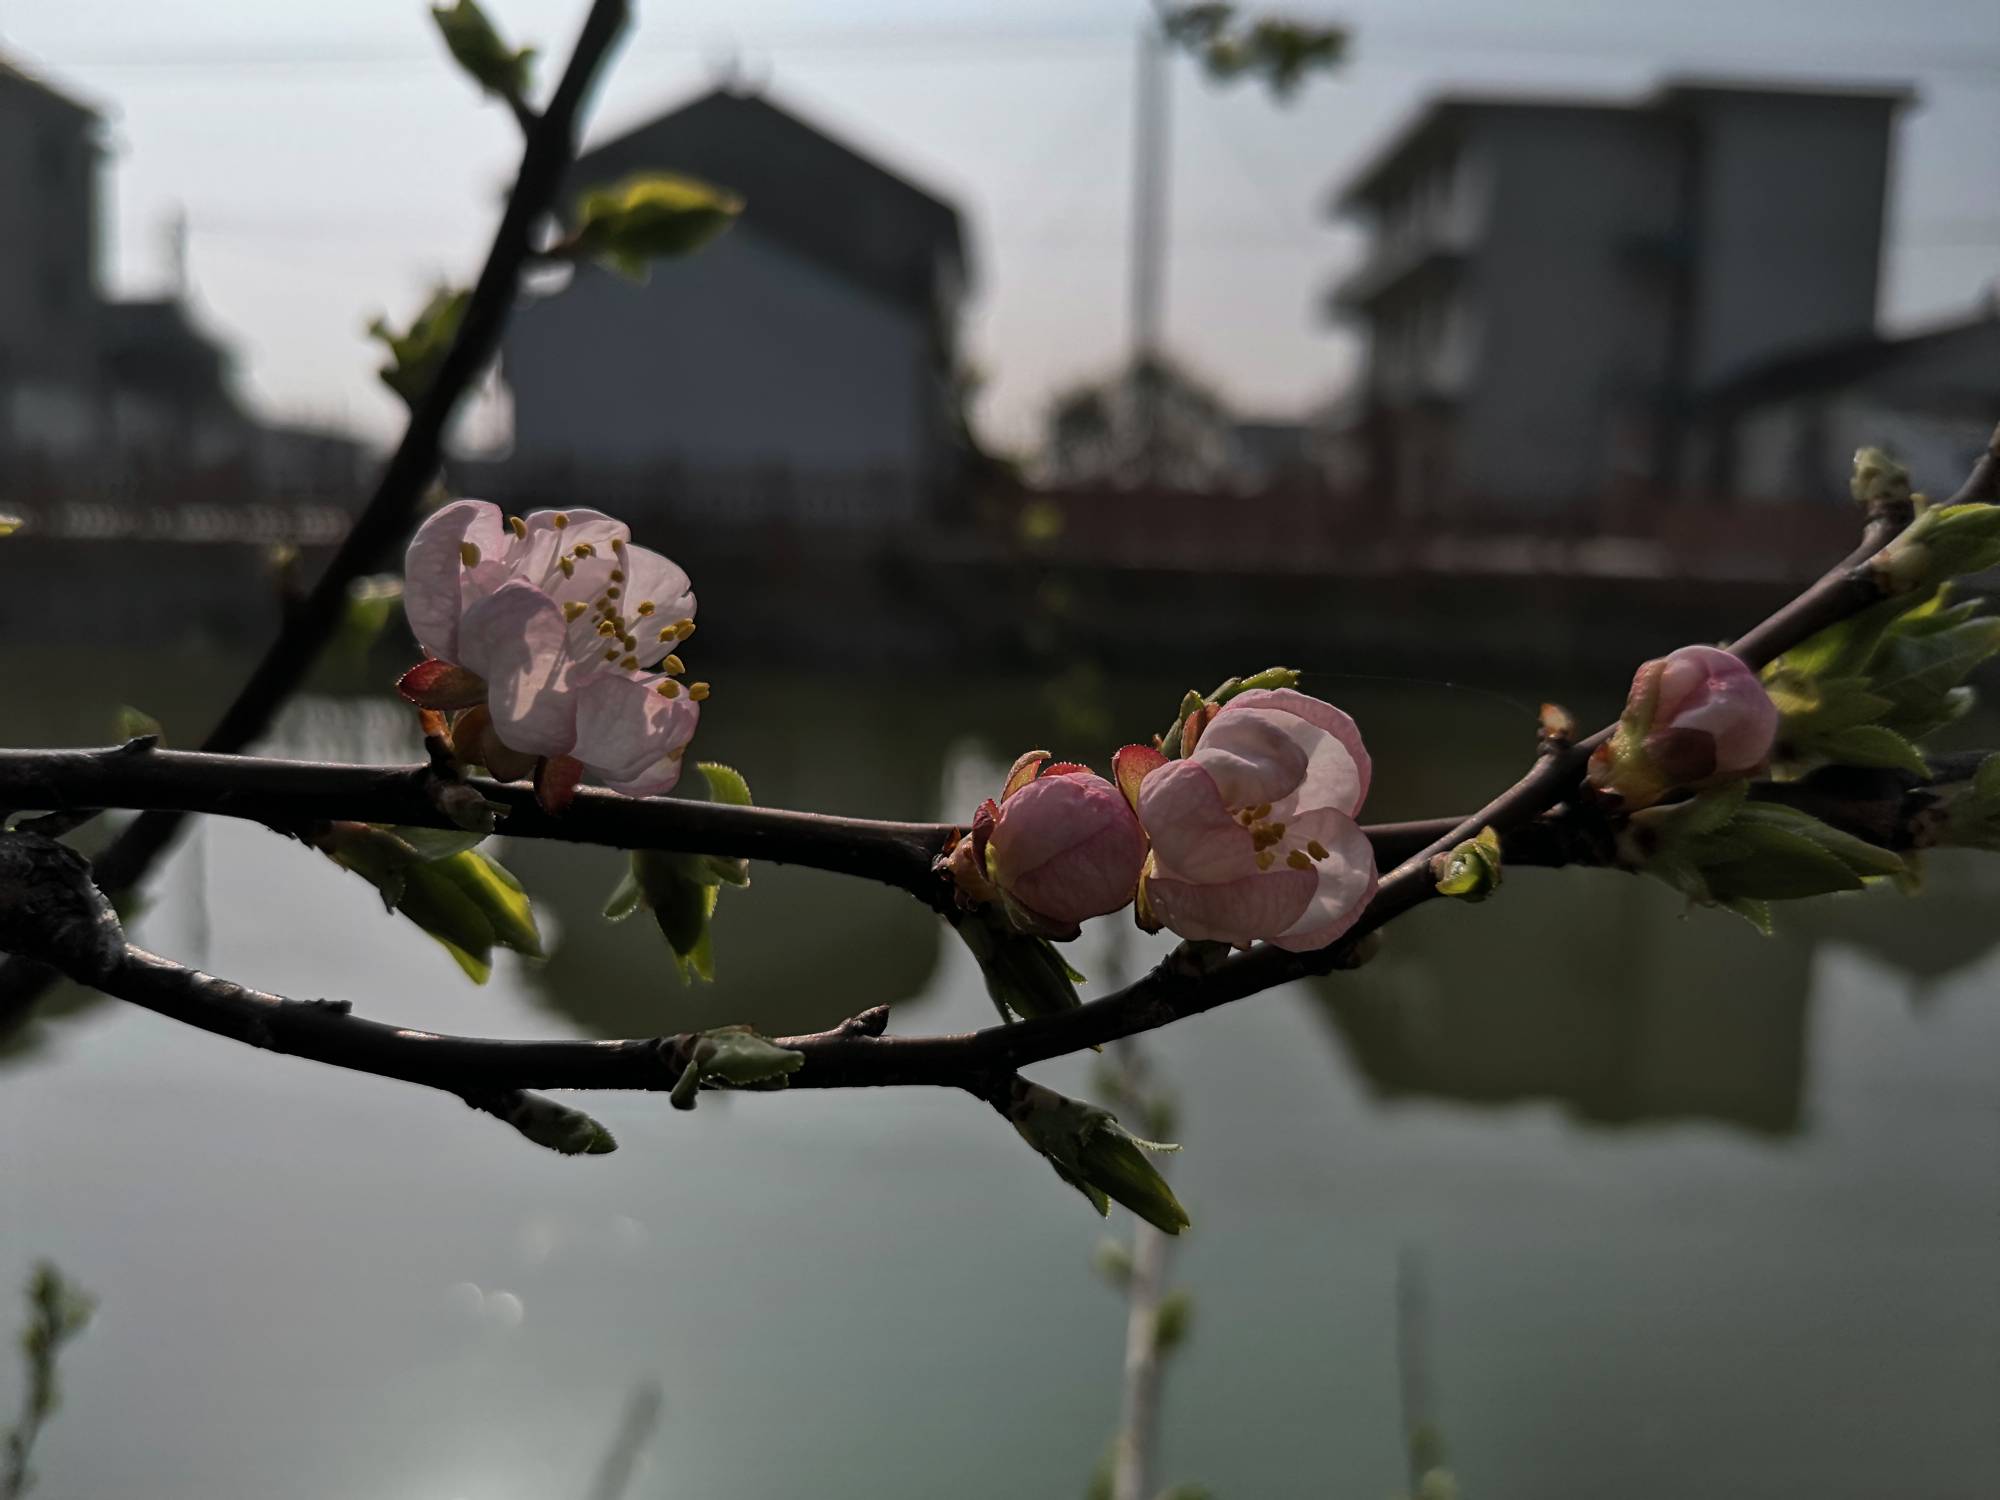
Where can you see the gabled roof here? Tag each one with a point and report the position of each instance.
(11, 75)
(800, 186)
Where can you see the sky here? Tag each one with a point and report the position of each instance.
(332, 164)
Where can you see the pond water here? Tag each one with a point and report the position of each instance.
(1697, 1213)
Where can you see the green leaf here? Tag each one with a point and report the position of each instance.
(725, 784)
(1094, 1154)
(416, 355)
(549, 1124)
(442, 908)
(739, 1055)
(434, 843)
(498, 69)
(1756, 913)
(499, 896)
(626, 898)
(1471, 871)
(135, 724)
(1024, 975)
(646, 218)
(1873, 745)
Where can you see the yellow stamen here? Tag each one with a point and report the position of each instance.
(568, 568)
(617, 575)
(670, 690)
(583, 549)
(698, 691)
(1265, 859)
(1262, 810)
(611, 654)
(630, 664)
(561, 520)
(1316, 849)
(673, 666)
(669, 634)
(518, 526)
(685, 629)
(1298, 861)
(617, 544)
(646, 607)
(468, 554)
(573, 611)
(605, 627)
(611, 593)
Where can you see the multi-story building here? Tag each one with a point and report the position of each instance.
(1554, 288)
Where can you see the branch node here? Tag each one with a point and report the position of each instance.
(871, 1022)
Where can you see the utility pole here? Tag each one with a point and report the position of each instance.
(1149, 235)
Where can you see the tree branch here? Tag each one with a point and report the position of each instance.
(550, 147)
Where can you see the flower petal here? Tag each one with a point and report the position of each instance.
(630, 735)
(514, 639)
(1193, 835)
(1241, 911)
(1067, 847)
(432, 569)
(1338, 774)
(1346, 880)
(1255, 756)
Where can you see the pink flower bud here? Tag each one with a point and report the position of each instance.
(1253, 834)
(1694, 718)
(1059, 847)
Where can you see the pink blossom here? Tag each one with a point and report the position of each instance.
(1060, 846)
(1253, 830)
(565, 629)
(1694, 718)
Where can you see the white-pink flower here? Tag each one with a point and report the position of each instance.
(569, 629)
(1253, 831)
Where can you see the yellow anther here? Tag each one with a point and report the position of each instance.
(568, 567)
(673, 666)
(605, 627)
(611, 593)
(670, 690)
(1298, 861)
(1261, 810)
(573, 611)
(1316, 849)
(698, 691)
(669, 634)
(1265, 859)
(583, 549)
(611, 654)
(518, 526)
(645, 606)
(618, 544)
(1277, 829)
(630, 664)
(468, 554)
(561, 520)
(617, 575)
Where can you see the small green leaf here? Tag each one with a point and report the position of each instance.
(499, 897)
(1471, 871)
(1094, 1154)
(136, 724)
(1025, 976)
(626, 898)
(1873, 745)
(725, 784)
(498, 69)
(646, 218)
(416, 355)
(739, 1055)
(547, 1123)
(434, 843)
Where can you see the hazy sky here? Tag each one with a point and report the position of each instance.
(333, 164)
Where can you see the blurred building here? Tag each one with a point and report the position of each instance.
(1555, 289)
(803, 366)
(99, 395)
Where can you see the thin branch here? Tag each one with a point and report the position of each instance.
(550, 148)
(292, 796)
